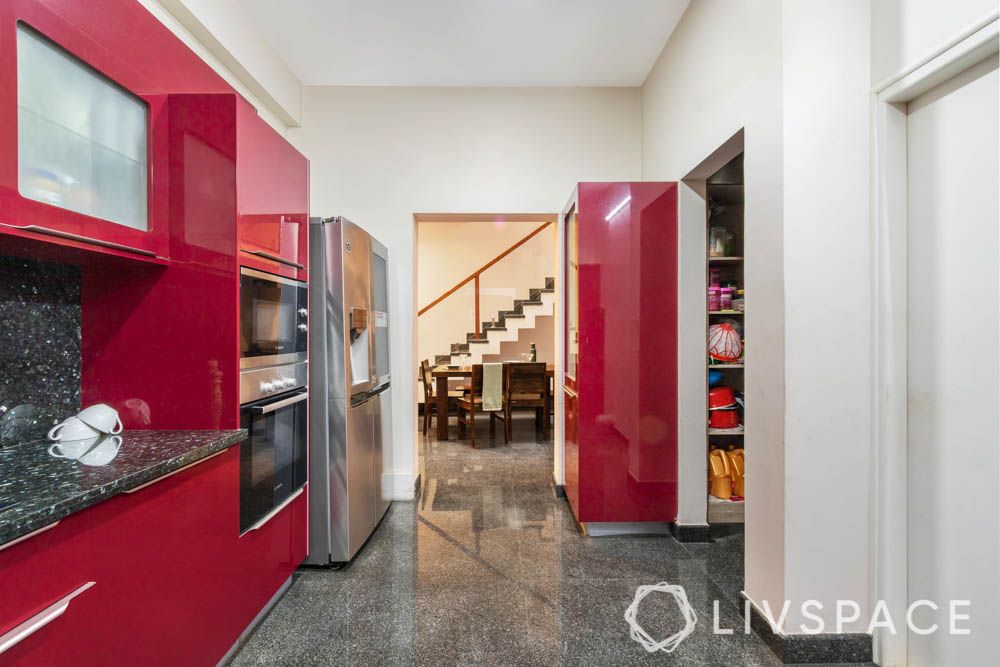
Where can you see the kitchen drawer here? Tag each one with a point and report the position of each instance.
(53, 585)
(271, 553)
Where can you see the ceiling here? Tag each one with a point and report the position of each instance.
(467, 42)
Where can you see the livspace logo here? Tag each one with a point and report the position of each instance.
(922, 617)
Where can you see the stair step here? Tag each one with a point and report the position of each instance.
(534, 299)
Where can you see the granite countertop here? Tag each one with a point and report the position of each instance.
(37, 489)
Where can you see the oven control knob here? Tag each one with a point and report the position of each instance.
(303, 312)
(266, 387)
(303, 327)
(286, 382)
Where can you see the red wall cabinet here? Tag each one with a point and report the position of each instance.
(128, 46)
(68, 176)
(621, 352)
(272, 199)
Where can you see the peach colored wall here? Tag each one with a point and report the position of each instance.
(448, 252)
(543, 336)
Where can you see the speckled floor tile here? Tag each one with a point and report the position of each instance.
(487, 567)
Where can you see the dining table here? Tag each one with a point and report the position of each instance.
(442, 374)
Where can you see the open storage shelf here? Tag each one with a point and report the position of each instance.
(724, 216)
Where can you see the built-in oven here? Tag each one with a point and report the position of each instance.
(274, 334)
(273, 458)
(274, 319)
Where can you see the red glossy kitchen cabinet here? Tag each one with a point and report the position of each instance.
(160, 344)
(621, 352)
(272, 198)
(83, 134)
(152, 572)
(161, 576)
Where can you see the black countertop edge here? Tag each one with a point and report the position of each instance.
(36, 489)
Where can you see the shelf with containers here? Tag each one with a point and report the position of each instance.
(726, 336)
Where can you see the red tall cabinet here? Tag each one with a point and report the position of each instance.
(620, 371)
(159, 342)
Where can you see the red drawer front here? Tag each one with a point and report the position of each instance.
(39, 571)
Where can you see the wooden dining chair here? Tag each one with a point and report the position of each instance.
(471, 403)
(430, 400)
(526, 386)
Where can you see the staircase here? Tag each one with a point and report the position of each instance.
(506, 328)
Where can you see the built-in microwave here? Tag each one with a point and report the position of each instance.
(274, 319)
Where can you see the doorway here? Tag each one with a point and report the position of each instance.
(485, 289)
(938, 512)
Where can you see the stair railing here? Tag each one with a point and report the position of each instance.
(474, 277)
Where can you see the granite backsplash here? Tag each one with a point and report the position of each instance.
(39, 347)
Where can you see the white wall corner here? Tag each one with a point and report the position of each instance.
(399, 485)
(220, 33)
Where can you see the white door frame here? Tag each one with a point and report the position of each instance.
(889, 182)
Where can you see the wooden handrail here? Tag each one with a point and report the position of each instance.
(475, 275)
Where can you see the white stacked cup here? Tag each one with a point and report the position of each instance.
(85, 437)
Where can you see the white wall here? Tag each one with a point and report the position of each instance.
(828, 304)
(719, 72)
(795, 76)
(904, 31)
(378, 155)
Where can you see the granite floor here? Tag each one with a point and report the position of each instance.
(487, 568)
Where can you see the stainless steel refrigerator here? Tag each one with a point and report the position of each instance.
(350, 436)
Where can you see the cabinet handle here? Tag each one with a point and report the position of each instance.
(569, 391)
(40, 620)
(277, 405)
(82, 239)
(29, 535)
(171, 474)
(273, 513)
(273, 258)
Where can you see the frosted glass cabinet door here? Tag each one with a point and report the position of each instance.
(82, 139)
